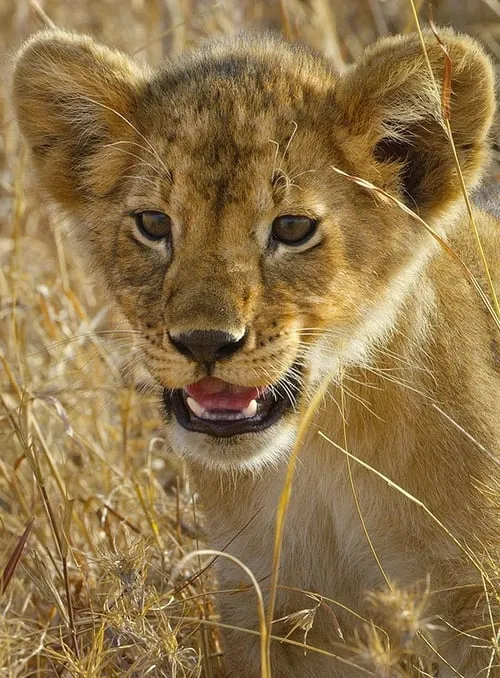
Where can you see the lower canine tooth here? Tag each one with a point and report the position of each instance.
(251, 410)
(195, 407)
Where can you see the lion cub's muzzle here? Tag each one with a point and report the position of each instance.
(220, 408)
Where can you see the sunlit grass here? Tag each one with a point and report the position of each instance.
(96, 521)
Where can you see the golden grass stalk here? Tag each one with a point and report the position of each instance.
(284, 499)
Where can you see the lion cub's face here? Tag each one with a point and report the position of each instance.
(209, 204)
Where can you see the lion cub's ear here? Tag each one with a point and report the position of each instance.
(391, 103)
(73, 99)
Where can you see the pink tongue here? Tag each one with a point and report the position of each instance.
(215, 394)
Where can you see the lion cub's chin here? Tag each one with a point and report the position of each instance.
(244, 452)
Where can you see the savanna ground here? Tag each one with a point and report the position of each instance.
(95, 515)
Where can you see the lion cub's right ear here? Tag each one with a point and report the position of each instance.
(392, 105)
(74, 99)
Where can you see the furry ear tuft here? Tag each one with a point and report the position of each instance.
(390, 102)
(73, 98)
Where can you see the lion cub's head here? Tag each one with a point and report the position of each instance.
(205, 196)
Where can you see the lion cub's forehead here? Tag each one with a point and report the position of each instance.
(244, 77)
(227, 115)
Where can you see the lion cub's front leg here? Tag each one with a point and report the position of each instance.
(307, 642)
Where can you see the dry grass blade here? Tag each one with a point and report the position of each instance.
(87, 590)
(447, 75)
(42, 15)
(13, 561)
(284, 499)
(494, 5)
(265, 663)
(285, 18)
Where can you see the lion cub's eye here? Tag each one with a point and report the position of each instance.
(153, 225)
(293, 230)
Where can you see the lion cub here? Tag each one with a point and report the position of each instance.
(207, 199)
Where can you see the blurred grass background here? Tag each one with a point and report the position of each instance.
(96, 590)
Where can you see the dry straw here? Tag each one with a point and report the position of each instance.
(97, 524)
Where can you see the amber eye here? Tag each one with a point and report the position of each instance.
(153, 225)
(293, 230)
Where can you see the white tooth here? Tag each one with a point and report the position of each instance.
(195, 407)
(251, 410)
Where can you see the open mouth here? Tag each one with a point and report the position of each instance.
(222, 409)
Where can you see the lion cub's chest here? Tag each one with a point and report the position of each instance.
(331, 534)
(325, 546)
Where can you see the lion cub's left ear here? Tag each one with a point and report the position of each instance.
(390, 102)
(75, 98)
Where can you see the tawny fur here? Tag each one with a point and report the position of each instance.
(224, 140)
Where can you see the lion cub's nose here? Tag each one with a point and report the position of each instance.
(207, 346)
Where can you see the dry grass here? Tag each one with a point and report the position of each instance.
(95, 518)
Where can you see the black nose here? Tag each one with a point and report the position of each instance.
(207, 346)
